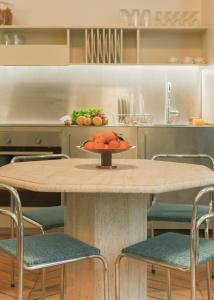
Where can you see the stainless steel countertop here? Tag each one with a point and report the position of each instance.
(124, 126)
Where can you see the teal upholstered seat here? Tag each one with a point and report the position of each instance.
(50, 248)
(171, 249)
(174, 212)
(48, 217)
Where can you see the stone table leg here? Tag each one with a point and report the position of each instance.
(109, 222)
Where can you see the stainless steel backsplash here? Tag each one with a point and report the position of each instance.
(44, 94)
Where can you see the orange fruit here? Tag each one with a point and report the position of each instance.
(110, 136)
(99, 145)
(114, 144)
(97, 136)
(97, 121)
(87, 121)
(89, 145)
(80, 120)
(99, 139)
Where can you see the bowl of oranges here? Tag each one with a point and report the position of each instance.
(106, 143)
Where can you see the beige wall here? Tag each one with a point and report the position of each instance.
(87, 13)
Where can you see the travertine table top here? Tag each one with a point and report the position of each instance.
(80, 175)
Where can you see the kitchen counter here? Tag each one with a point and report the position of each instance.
(106, 208)
(106, 126)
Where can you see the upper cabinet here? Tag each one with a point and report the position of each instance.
(136, 45)
(33, 46)
(120, 45)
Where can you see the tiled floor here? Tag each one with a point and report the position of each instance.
(156, 284)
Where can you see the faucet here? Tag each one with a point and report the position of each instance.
(171, 109)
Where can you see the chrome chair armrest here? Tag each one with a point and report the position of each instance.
(37, 157)
(210, 158)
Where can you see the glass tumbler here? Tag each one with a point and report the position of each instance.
(176, 18)
(194, 19)
(146, 18)
(135, 17)
(124, 17)
(158, 18)
(168, 18)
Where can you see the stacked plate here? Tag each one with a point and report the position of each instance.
(104, 46)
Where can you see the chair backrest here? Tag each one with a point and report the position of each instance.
(196, 223)
(38, 157)
(182, 156)
(185, 156)
(16, 215)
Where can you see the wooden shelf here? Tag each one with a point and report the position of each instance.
(33, 55)
(119, 45)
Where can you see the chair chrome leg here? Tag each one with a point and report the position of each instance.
(212, 261)
(62, 287)
(169, 292)
(117, 277)
(152, 232)
(105, 272)
(193, 283)
(43, 283)
(209, 286)
(12, 235)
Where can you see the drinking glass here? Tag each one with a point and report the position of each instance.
(135, 17)
(176, 18)
(124, 17)
(18, 39)
(185, 18)
(158, 18)
(167, 18)
(7, 40)
(146, 18)
(194, 19)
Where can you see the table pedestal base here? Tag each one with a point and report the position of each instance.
(110, 222)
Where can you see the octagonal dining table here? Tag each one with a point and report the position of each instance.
(106, 208)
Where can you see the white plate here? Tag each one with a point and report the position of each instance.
(118, 48)
(106, 47)
(94, 49)
(112, 48)
(101, 49)
(89, 49)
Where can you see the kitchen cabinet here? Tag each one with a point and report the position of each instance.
(33, 46)
(120, 45)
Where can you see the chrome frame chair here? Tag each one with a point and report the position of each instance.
(40, 226)
(194, 245)
(16, 216)
(36, 158)
(153, 199)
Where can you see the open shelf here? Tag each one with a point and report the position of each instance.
(156, 48)
(118, 45)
